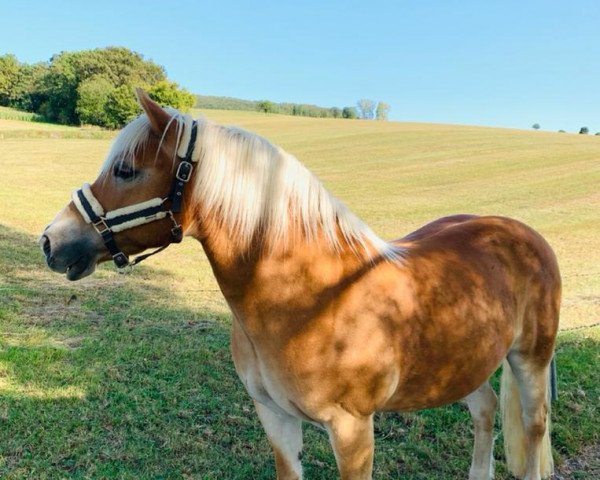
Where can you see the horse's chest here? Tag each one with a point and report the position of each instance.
(259, 378)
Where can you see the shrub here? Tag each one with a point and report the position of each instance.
(121, 106)
(265, 106)
(349, 112)
(93, 96)
(168, 94)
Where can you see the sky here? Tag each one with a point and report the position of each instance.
(499, 63)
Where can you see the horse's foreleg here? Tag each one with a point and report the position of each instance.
(353, 445)
(285, 436)
(482, 405)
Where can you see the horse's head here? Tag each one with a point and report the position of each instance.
(134, 204)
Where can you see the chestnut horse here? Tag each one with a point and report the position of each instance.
(330, 323)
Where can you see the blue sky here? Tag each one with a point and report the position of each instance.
(500, 63)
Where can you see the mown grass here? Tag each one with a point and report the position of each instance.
(131, 377)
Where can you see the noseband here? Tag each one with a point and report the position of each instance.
(109, 223)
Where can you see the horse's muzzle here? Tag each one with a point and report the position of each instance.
(75, 258)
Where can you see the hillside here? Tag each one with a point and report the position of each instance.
(396, 176)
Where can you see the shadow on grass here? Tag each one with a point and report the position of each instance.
(109, 378)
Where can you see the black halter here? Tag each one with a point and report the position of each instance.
(107, 224)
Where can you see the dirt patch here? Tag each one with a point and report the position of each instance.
(583, 467)
(45, 311)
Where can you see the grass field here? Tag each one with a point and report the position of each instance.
(131, 377)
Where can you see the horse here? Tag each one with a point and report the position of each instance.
(330, 323)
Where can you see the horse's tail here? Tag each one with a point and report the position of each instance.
(514, 431)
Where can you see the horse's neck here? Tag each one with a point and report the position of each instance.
(290, 275)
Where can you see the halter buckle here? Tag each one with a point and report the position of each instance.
(177, 230)
(184, 171)
(121, 260)
(101, 226)
(177, 234)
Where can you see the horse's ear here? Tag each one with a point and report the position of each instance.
(158, 117)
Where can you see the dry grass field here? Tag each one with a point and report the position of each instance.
(129, 376)
(396, 176)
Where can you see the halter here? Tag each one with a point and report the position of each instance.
(109, 223)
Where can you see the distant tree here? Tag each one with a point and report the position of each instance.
(561, 131)
(9, 70)
(597, 133)
(366, 108)
(21, 84)
(536, 126)
(168, 94)
(383, 110)
(336, 112)
(265, 106)
(121, 106)
(29, 92)
(119, 66)
(349, 112)
(584, 130)
(93, 95)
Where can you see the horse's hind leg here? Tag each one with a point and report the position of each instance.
(482, 405)
(353, 444)
(532, 381)
(285, 436)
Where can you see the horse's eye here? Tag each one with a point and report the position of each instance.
(124, 171)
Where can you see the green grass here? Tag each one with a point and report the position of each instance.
(17, 124)
(131, 377)
(7, 113)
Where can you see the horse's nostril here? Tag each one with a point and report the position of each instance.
(46, 245)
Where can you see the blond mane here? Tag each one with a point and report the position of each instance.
(253, 185)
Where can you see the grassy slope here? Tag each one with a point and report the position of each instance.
(130, 377)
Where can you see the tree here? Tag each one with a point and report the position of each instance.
(9, 70)
(265, 106)
(121, 106)
(168, 94)
(383, 110)
(87, 86)
(584, 130)
(349, 112)
(119, 66)
(93, 96)
(536, 126)
(21, 84)
(335, 112)
(366, 108)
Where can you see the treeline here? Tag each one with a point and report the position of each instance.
(365, 108)
(266, 106)
(94, 87)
